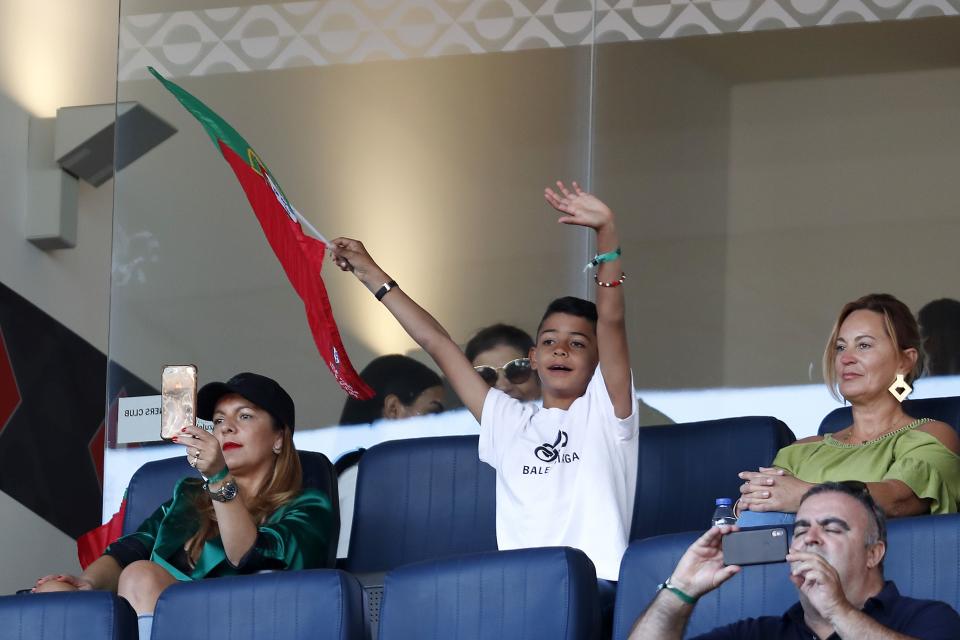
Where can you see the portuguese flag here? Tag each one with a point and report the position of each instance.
(300, 255)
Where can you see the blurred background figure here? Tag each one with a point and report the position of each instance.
(500, 353)
(404, 388)
(940, 328)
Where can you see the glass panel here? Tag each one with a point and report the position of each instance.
(768, 178)
(761, 177)
(427, 130)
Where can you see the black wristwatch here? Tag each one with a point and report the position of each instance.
(226, 492)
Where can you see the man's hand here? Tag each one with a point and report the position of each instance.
(701, 568)
(819, 581)
(699, 571)
(771, 489)
(578, 206)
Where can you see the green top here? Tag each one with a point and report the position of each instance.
(914, 457)
(295, 536)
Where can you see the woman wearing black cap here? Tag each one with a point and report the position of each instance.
(248, 513)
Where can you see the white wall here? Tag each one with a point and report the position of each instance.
(30, 547)
(661, 150)
(55, 54)
(838, 187)
(52, 54)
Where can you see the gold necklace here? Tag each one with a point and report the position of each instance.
(849, 435)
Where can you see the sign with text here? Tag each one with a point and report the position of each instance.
(138, 420)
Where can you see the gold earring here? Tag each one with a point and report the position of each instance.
(896, 387)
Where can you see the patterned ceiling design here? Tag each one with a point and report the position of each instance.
(327, 32)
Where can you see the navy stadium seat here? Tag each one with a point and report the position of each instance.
(755, 591)
(153, 483)
(945, 409)
(421, 499)
(67, 616)
(321, 604)
(549, 592)
(923, 559)
(684, 467)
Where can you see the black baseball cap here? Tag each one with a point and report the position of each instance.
(262, 391)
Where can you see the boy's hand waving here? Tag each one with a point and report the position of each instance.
(578, 206)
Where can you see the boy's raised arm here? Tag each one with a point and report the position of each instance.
(583, 209)
(351, 255)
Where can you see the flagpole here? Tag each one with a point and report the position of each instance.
(310, 227)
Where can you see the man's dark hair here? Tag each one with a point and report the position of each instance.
(571, 306)
(496, 335)
(859, 492)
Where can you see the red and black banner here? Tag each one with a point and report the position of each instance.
(53, 404)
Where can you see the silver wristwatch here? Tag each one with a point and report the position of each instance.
(226, 492)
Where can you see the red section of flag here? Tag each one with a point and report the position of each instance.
(302, 260)
(92, 544)
(9, 391)
(95, 447)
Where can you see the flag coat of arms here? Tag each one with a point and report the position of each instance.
(300, 255)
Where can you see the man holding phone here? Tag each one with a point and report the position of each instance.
(836, 564)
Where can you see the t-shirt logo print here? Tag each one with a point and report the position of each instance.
(550, 452)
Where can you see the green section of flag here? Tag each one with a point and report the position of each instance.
(215, 126)
(220, 131)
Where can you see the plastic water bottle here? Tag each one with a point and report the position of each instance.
(723, 514)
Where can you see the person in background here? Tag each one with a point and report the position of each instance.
(940, 327)
(911, 466)
(404, 388)
(500, 353)
(247, 512)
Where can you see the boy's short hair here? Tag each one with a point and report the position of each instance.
(572, 306)
(496, 335)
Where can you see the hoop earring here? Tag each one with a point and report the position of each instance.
(276, 451)
(900, 389)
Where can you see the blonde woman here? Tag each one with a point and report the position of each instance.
(910, 464)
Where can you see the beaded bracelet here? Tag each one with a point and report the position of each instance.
(615, 283)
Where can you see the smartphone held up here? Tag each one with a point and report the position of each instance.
(178, 399)
(755, 546)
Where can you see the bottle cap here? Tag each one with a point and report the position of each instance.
(724, 502)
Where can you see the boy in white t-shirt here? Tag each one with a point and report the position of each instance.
(566, 472)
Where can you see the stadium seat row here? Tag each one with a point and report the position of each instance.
(528, 593)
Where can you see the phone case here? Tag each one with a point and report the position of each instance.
(756, 546)
(178, 399)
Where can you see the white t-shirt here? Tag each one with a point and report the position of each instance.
(564, 477)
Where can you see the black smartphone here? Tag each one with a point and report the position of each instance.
(755, 546)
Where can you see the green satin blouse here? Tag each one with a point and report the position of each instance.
(295, 536)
